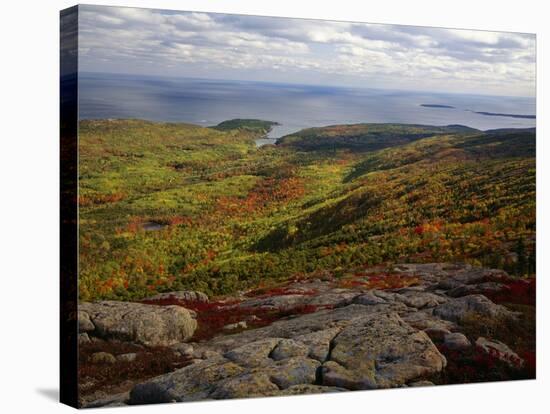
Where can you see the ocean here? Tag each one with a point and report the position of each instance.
(207, 102)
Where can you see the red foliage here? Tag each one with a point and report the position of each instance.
(280, 290)
(530, 359)
(520, 291)
(264, 194)
(134, 225)
(177, 220)
(121, 375)
(476, 365)
(494, 354)
(213, 316)
(197, 306)
(305, 309)
(85, 201)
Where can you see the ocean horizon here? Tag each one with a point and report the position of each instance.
(208, 102)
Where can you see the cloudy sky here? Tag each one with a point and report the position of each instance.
(222, 46)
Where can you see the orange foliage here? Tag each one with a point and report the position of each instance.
(85, 201)
(265, 193)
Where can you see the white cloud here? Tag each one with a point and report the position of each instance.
(217, 45)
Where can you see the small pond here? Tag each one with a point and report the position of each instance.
(152, 226)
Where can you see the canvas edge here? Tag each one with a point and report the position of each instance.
(68, 361)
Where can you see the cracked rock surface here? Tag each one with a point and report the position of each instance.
(350, 339)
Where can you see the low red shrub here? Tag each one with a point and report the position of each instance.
(519, 291)
(119, 376)
(475, 365)
(213, 316)
(280, 291)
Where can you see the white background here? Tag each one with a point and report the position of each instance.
(29, 238)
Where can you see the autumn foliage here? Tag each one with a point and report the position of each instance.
(174, 206)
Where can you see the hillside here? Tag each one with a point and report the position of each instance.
(446, 186)
(365, 137)
(167, 207)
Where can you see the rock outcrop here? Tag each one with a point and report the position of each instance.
(329, 338)
(352, 347)
(148, 325)
(380, 351)
(459, 309)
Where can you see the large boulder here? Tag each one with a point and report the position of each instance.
(425, 320)
(481, 288)
(458, 310)
(470, 276)
(148, 325)
(380, 351)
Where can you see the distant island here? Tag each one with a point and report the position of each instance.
(251, 125)
(481, 112)
(437, 106)
(506, 115)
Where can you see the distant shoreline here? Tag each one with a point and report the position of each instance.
(505, 115)
(481, 112)
(266, 137)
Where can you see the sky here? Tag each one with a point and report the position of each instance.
(272, 49)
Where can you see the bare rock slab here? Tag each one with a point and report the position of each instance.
(253, 354)
(288, 348)
(191, 383)
(318, 343)
(255, 384)
(293, 371)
